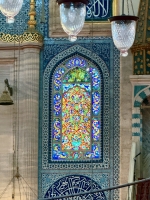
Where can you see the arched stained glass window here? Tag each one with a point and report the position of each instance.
(76, 120)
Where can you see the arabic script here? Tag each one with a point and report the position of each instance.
(97, 8)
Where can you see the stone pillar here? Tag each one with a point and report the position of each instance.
(125, 121)
(19, 122)
(28, 118)
(6, 130)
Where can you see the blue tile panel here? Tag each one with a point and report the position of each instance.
(102, 53)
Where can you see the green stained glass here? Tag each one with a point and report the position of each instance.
(76, 111)
(76, 75)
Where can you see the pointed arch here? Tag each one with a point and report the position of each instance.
(76, 119)
(77, 50)
(136, 113)
(141, 95)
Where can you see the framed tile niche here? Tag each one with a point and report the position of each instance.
(97, 25)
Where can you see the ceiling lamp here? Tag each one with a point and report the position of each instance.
(5, 97)
(10, 8)
(123, 29)
(72, 15)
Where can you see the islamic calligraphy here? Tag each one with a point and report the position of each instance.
(74, 184)
(98, 10)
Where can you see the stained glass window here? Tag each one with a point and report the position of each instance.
(76, 123)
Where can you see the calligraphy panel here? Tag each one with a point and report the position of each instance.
(75, 184)
(99, 10)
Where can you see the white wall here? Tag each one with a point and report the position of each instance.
(125, 120)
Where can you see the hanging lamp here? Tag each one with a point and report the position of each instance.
(72, 15)
(10, 8)
(5, 97)
(123, 29)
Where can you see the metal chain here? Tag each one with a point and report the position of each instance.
(128, 6)
(14, 116)
(109, 194)
(132, 7)
(122, 7)
(92, 196)
(19, 188)
(29, 186)
(128, 192)
(23, 189)
(6, 188)
(42, 18)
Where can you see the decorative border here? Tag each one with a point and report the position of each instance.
(25, 37)
(46, 93)
(116, 124)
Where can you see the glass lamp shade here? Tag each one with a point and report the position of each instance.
(10, 8)
(123, 32)
(72, 15)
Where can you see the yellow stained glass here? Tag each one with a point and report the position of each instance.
(76, 112)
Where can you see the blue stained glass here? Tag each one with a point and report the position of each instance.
(58, 78)
(57, 104)
(57, 154)
(95, 152)
(95, 78)
(95, 129)
(88, 155)
(56, 129)
(76, 62)
(96, 102)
